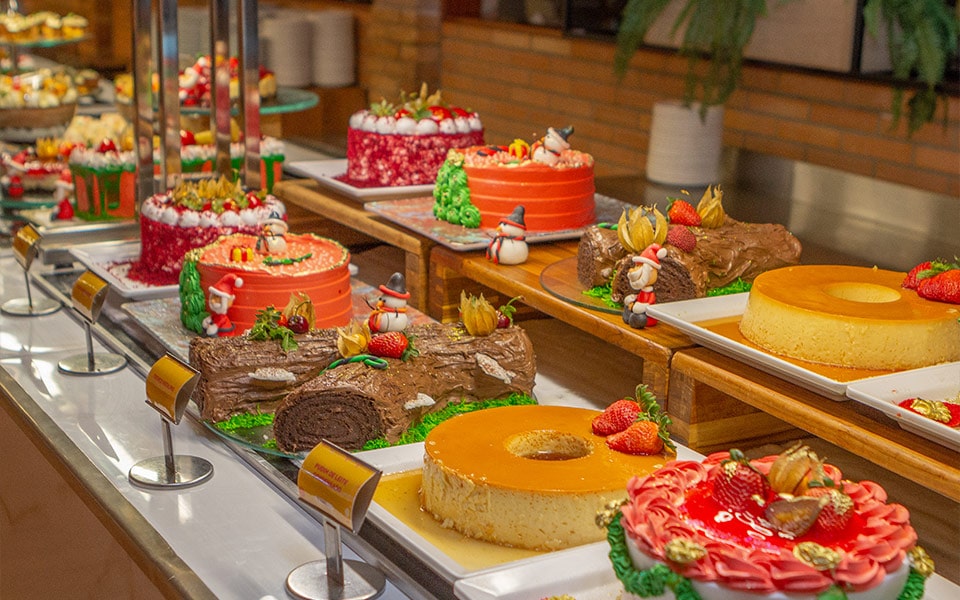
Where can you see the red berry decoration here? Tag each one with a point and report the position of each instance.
(298, 324)
(942, 287)
(836, 509)
(681, 237)
(107, 145)
(910, 282)
(681, 212)
(616, 417)
(646, 434)
(737, 483)
(641, 438)
(392, 344)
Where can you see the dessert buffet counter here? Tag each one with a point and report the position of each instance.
(232, 536)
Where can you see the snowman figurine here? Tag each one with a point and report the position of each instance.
(548, 148)
(390, 311)
(271, 239)
(509, 245)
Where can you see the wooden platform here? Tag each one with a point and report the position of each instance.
(451, 272)
(343, 211)
(705, 382)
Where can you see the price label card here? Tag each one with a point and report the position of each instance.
(26, 245)
(170, 383)
(88, 294)
(338, 484)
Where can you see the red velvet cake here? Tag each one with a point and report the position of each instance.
(193, 215)
(391, 146)
(479, 185)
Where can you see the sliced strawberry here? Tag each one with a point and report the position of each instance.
(642, 438)
(910, 282)
(616, 417)
(738, 484)
(943, 287)
(836, 509)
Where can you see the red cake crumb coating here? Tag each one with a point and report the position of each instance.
(378, 160)
(324, 276)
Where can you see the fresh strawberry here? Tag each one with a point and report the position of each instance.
(440, 112)
(681, 212)
(648, 434)
(642, 437)
(942, 287)
(391, 344)
(910, 281)
(681, 237)
(616, 417)
(106, 145)
(836, 509)
(187, 138)
(738, 482)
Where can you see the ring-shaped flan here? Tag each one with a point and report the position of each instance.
(525, 476)
(851, 317)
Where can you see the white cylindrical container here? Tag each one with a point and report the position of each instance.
(685, 149)
(286, 45)
(334, 52)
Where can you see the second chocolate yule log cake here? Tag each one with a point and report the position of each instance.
(705, 249)
(349, 386)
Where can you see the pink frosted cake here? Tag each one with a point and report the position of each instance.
(391, 146)
(781, 527)
(194, 215)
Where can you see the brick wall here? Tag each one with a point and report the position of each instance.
(524, 79)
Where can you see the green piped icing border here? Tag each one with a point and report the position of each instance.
(655, 580)
(419, 431)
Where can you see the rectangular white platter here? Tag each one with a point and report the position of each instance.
(325, 172)
(108, 260)
(688, 316)
(939, 382)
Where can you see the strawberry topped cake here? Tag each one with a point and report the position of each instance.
(405, 144)
(786, 526)
(193, 215)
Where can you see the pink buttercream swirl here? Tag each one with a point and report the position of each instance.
(653, 516)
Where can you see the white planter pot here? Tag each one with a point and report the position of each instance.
(684, 148)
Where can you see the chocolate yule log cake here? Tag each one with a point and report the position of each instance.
(353, 402)
(706, 249)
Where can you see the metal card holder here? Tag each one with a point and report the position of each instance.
(26, 247)
(88, 294)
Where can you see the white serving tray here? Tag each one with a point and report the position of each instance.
(938, 382)
(325, 173)
(111, 260)
(688, 316)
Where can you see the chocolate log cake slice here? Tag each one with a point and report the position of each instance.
(354, 402)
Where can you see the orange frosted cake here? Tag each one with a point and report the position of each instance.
(525, 476)
(256, 276)
(779, 527)
(849, 316)
(553, 182)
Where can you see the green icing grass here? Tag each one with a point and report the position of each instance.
(734, 287)
(419, 431)
(602, 292)
(245, 421)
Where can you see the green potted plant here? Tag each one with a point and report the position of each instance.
(922, 36)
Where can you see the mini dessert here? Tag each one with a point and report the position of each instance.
(945, 411)
(706, 249)
(478, 185)
(73, 26)
(777, 527)
(191, 216)
(39, 167)
(851, 317)
(244, 274)
(389, 145)
(533, 476)
(104, 180)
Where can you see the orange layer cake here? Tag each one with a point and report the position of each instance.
(525, 476)
(312, 265)
(493, 181)
(849, 316)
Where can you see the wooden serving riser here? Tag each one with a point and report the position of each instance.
(451, 272)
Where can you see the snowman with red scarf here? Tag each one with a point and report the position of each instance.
(642, 275)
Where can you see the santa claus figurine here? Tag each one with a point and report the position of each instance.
(390, 311)
(642, 275)
(219, 300)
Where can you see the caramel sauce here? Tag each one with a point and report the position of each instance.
(399, 494)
